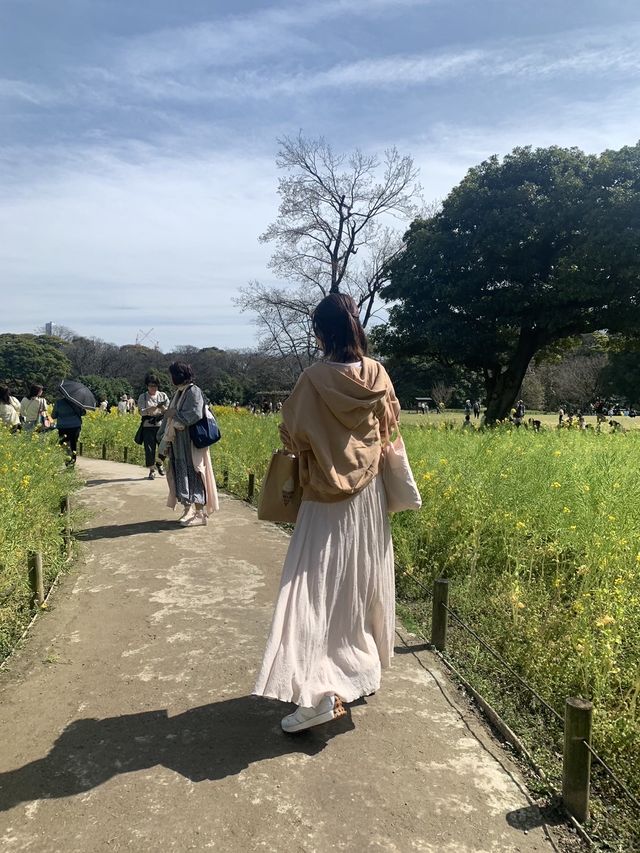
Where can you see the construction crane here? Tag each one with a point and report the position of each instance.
(143, 336)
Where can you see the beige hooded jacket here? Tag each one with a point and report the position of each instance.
(335, 420)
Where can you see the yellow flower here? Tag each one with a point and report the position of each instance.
(557, 453)
(520, 524)
(566, 509)
(555, 485)
(444, 461)
(586, 488)
(611, 517)
(604, 621)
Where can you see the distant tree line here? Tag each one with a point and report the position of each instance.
(594, 366)
(111, 370)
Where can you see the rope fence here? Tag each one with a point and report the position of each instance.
(576, 723)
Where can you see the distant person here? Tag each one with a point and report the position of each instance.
(68, 418)
(123, 405)
(189, 472)
(33, 408)
(152, 406)
(103, 406)
(9, 409)
(476, 409)
(467, 407)
(467, 422)
(560, 416)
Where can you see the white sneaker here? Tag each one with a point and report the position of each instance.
(330, 708)
(199, 518)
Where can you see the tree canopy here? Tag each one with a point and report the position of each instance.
(27, 359)
(525, 252)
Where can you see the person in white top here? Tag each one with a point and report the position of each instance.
(9, 409)
(33, 408)
(152, 405)
(123, 405)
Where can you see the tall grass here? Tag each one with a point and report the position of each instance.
(33, 481)
(541, 535)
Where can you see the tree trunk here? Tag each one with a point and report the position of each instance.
(502, 388)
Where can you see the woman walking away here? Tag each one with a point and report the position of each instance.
(33, 408)
(189, 473)
(68, 419)
(334, 619)
(152, 405)
(9, 409)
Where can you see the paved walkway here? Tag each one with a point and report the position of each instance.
(126, 722)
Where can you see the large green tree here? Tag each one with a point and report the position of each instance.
(27, 359)
(527, 251)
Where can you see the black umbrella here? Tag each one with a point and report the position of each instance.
(78, 394)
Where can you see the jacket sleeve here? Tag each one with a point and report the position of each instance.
(295, 414)
(190, 406)
(391, 411)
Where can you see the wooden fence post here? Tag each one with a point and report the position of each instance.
(36, 577)
(576, 766)
(80, 449)
(225, 479)
(104, 451)
(252, 487)
(440, 615)
(125, 454)
(65, 511)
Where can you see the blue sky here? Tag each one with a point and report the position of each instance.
(138, 139)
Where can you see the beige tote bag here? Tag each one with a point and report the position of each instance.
(397, 476)
(281, 492)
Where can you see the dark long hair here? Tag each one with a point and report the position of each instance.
(5, 395)
(336, 323)
(35, 391)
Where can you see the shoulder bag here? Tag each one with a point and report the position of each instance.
(205, 432)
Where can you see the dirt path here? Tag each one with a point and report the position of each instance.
(126, 722)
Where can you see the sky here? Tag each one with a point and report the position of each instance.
(138, 139)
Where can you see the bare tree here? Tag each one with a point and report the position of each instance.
(332, 208)
(442, 393)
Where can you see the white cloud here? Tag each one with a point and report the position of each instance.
(169, 239)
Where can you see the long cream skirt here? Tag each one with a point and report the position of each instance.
(334, 620)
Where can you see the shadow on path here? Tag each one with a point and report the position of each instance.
(210, 742)
(119, 480)
(114, 531)
(532, 817)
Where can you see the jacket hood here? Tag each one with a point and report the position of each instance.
(350, 398)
